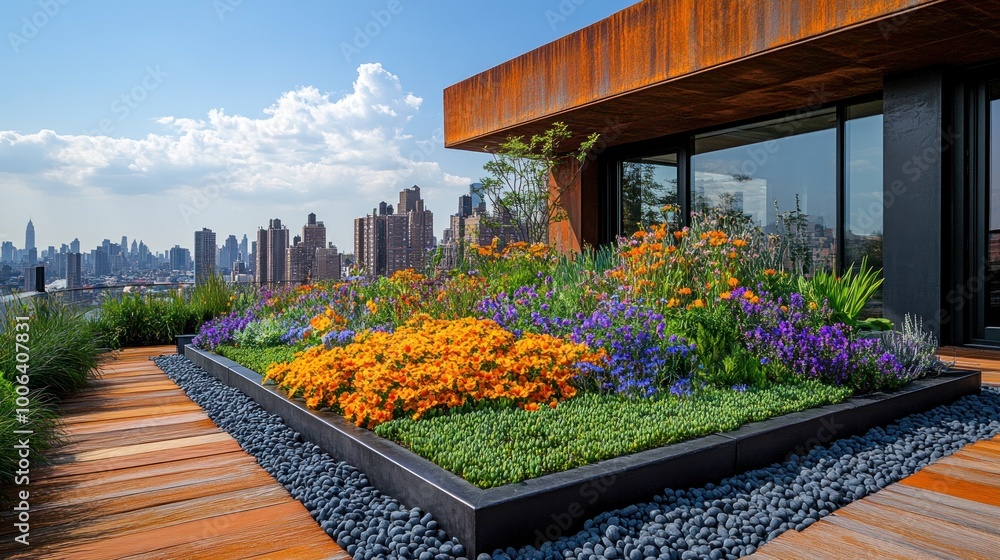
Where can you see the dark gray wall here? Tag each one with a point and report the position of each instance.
(916, 154)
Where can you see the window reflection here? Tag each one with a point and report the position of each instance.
(647, 185)
(863, 156)
(770, 169)
(993, 238)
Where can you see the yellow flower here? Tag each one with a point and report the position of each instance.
(674, 302)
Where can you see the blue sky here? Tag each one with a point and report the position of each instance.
(155, 119)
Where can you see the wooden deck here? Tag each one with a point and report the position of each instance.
(986, 361)
(950, 509)
(144, 473)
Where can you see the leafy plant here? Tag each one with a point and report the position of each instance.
(519, 178)
(846, 296)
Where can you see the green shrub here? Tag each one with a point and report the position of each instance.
(63, 347)
(41, 421)
(151, 319)
(504, 446)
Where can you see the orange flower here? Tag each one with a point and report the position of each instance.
(640, 234)
(684, 291)
(699, 303)
(674, 302)
(678, 235)
(739, 243)
(770, 272)
(733, 282)
(725, 295)
(531, 407)
(748, 295)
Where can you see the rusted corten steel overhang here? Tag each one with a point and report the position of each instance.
(667, 66)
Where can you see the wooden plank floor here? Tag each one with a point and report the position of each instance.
(950, 509)
(144, 473)
(986, 361)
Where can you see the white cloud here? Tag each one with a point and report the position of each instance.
(308, 145)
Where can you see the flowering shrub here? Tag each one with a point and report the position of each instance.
(792, 338)
(221, 330)
(642, 359)
(430, 364)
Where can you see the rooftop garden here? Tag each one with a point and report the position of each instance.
(523, 362)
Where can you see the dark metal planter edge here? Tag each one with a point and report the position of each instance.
(553, 505)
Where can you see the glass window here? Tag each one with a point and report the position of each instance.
(647, 185)
(993, 235)
(863, 162)
(783, 175)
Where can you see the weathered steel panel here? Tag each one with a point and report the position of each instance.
(662, 61)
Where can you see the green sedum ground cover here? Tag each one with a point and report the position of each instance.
(497, 447)
(257, 359)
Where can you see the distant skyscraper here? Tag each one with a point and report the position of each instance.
(385, 242)
(313, 238)
(125, 244)
(245, 249)
(179, 258)
(29, 236)
(326, 264)
(134, 252)
(7, 251)
(102, 266)
(476, 193)
(272, 246)
(74, 271)
(204, 255)
(230, 253)
(74, 246)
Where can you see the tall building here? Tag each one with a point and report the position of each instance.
(245, 249)
(102, 265)
(313, 238)
(272, 248)
(326, 264)
(29, 236)
(297, 261)
(229, 254)
(179, 258)
(125, 244)
(74, 271)
(7, 251)
(74, 246)
(386, 242)
(476, 194)
(204, 255)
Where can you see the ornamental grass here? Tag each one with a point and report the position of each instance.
(435, 364)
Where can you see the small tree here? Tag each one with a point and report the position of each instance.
(518, 183)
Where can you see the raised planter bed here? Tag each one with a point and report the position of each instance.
(550, 506)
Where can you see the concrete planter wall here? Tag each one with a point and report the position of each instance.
(550, 506)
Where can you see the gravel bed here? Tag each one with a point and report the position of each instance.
(728, 520)
(743, 512)
(364, 522)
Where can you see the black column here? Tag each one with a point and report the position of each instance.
(916, 168)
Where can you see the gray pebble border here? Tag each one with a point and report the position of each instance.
(728, 520)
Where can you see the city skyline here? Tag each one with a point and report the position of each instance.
(172, 125)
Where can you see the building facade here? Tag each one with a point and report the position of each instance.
(74, 271)
(387, 241)
(877, 120)
(204, 255)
